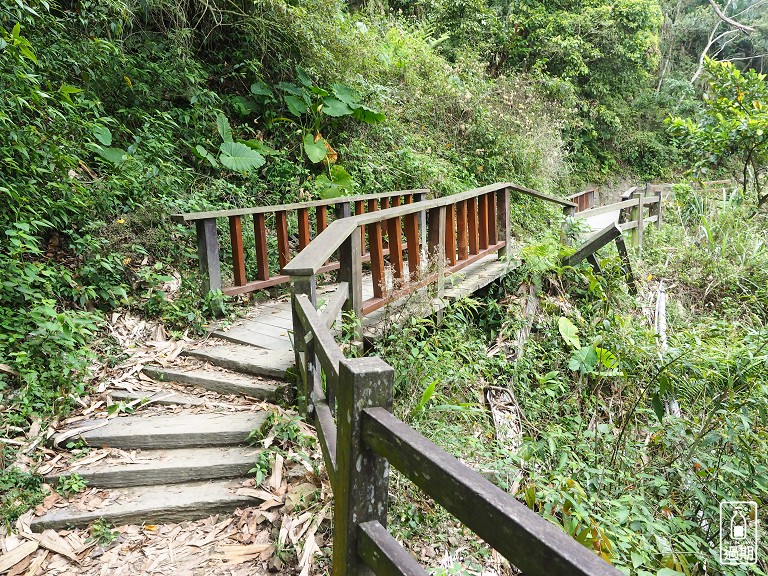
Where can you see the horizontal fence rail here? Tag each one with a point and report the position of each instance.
(350, 400)
(418, 242)
(310, 218)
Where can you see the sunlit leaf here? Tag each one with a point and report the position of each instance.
(239, 157)
(315, 149)
(569, 332)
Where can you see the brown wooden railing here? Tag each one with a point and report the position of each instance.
(350, 400)
(312, 218)
(583, 200)
(454, 231)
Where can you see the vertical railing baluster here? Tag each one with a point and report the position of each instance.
(413, 244)
(482, 221)
(474, 247)
(283, 246)
(360, 209)
(262, 252)
(493, 228)
(321, 218)
(503, 224)
(376, 246)
(395, 246)
(461, 230)
(450, 234)
(208, 254)
(238, 255)
(304, 233)
(351, 272)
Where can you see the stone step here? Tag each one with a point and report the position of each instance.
(166, 467)
(247, 359)
(251, 332)
(223, 382)
(158, 398)
(166, 431)
(154, 505)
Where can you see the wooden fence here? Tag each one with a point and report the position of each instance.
(637, 209)
(350, 400)
(311, 219)
(583, 200)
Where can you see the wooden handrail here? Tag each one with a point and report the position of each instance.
(187, 217)
(208, 241)
(534, 545)
(310, 260)
(364, 438)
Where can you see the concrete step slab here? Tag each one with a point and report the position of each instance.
(247, 359)
(223, 382)
(153, 505)
(166, 431)
(150, 467)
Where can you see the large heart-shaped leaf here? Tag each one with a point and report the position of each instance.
(239, 157)
(315, 149)
(368, 115)
(296, 106)
(114, 155)
(345, 93)
(336, 108)
(569, 332)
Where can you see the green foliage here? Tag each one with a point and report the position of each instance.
(103, 533)
(71, 484)
(602, 455)
(19, 491)
(732, 127)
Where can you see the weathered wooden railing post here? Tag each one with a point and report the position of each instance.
(421, 197)
(656, 208)
(362, 478)
(636, 215)
(568, 213)
(502, 221)
(351, 272)
(307, 364)
(208, 254)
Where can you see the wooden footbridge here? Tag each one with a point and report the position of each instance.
(446, 247)
(363, 256)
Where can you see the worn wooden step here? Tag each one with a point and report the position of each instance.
(220, 381)
(154, 505)
(247, 359)
(167, 431)
(166, 467)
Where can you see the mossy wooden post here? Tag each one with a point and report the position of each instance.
(307, 365)
(636, 215)
(208, 254)
(502, 221)
(656, 208)
(351, 272)
(362, 477)
(421, 197)
(341, 210)
(568, 213)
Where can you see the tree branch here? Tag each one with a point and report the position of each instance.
(731, 22)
